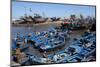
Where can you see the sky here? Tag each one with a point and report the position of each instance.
(50, 9)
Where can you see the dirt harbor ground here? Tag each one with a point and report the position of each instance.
(57, 23)
(44, 27)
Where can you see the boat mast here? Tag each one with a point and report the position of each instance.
(25, 12)
(30, 10)
(43, 14)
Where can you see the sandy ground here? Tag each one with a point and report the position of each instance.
(39, 24)
(48, 23)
